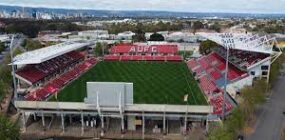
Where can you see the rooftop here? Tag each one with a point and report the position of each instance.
(46, 53)
(243, 41)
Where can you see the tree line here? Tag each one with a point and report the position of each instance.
(116, 28)
(30, 44)
(5, 73)
(2, 47)
(272, 26)
(32, 28)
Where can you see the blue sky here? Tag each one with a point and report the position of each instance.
(236, 6)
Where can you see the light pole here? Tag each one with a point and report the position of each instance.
(225, 84)
(13, 69)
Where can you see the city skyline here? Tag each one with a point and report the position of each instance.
(223, 6)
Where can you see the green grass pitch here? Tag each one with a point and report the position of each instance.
(154, 82)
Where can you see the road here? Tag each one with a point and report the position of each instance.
(271, 119)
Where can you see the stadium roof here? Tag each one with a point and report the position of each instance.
(44, 54)
(242, 41)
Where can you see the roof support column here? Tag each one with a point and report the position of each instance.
(268, 74)
(123, 124)
(167, 129)
(143, 125)
(164, 124)
(43, 120)
(62, 122)
(34, 114)
(19, 84)
(70, 119)
(207, 125)
(24, 121)
(102, 125)
(82, 124)
(185, 125)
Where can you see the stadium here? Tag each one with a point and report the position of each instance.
(148, 89)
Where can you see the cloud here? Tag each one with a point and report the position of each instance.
(245, 6)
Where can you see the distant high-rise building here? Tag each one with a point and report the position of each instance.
(14, 14)
(34, 13)
(23, 12)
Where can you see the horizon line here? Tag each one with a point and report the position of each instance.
(144, 10)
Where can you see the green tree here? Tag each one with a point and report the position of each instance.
(236, 122)
(275, 69)
(116, 28)
(98, 49)
(156, 37)
(139, 36)
(8, 130)
(216, 27)
(2, 89)
(5, 74)
(220, 133)
(32, 28)
(253, 96)
(207, 46)
(197, 25)
(186, 53)
(32, 45)
(2, 47)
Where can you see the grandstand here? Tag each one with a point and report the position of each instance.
(131, 52)
(35, 73)
(45, 71)
(243, 59)
(250, 56)
(60, 81)
(210, 70)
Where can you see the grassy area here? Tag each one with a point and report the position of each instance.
(186, 54)
(154, 82)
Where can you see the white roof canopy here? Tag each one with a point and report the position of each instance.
(44, 54)
(242, 41)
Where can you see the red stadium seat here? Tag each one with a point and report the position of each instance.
(148, 53)
(204, 62)
(217, 103)
(35, 73)
(55, 85)
(111, 57)
(207, 85)
(137, 57)
(192, 64)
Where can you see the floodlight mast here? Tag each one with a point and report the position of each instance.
(225, 84)
(13, 69)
